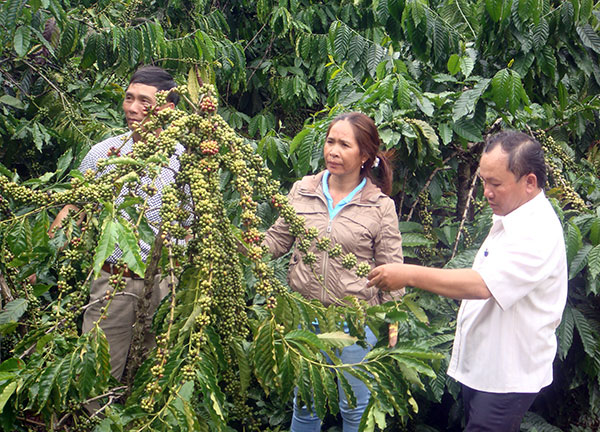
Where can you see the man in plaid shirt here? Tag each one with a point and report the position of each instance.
(118, 320)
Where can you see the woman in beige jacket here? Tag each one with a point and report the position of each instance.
(347, 203)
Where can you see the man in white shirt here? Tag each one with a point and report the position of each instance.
(513, 296)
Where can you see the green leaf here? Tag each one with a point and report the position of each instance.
(563, 95)
(7, 392)
(465, 104)
(304, 385)
(305, 154)
(500, 85)
(415, 309)
(64, 161)
(47, 379)
(346, 387)
(299, 139)
(287, 376)
(593, 262)
(404, 96)
(319, 395)
(305, 337)
(130, 247)
(589, 37)
(585, 9)
(65, 378)
(466, 65)
(594, 234)
(13, 10)
(541, 31)
(101, 349)
(453, 64)
(341, 39)
(87, 377)
(331, 390)
(22, 40)
(584, 328)
(106, 245)
(411, 239)
(243, 365)
(565, 332)
(494, 9)
(579, 261)
(263, 356)
(467, 129)
(12, 101)
(338, 339)
(514, 91)
(68, 39)
(574, 241)
(13, 310)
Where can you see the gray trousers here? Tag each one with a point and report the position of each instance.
(120, 317)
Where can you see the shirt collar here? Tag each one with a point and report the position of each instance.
(333, 211)
(528, 209)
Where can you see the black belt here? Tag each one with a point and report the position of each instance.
(114, 269)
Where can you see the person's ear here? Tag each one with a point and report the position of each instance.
(167, 105)
(531, 182)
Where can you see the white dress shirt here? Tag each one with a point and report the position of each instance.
(507, 343)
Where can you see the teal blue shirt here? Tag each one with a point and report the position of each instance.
(335, 210)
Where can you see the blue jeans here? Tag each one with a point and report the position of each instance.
(305, 421)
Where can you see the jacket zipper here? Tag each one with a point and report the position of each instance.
(325, 267)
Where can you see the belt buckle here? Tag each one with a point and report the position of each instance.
(113, 269)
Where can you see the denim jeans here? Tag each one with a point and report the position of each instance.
(305, 421)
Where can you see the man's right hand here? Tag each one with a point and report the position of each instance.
(388, 277)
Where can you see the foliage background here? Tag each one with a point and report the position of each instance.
(437, 76)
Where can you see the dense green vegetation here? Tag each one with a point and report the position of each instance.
(437, 76)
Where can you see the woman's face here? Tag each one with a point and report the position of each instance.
(341, 151)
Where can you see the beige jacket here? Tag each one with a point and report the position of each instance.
(367, 226)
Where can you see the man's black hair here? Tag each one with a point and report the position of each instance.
(525, 154)
(156, 77)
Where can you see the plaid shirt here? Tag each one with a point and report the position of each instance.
(166, 177)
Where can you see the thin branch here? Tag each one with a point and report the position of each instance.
(254, 37)
(114, 295)
(465, 18)
(28, 420)
(402, 197)
(141, 326)
(261, 60)
(112, 395)
(465, 212)
(5, 289)
(428, 182)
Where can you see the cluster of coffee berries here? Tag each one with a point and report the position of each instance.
(349, 261)
(208, 104)
(556, 158)
(209, 147)
(363, 269)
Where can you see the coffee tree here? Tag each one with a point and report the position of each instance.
(232, 341)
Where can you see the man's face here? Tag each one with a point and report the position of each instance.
(138, 99)
(503, 190)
